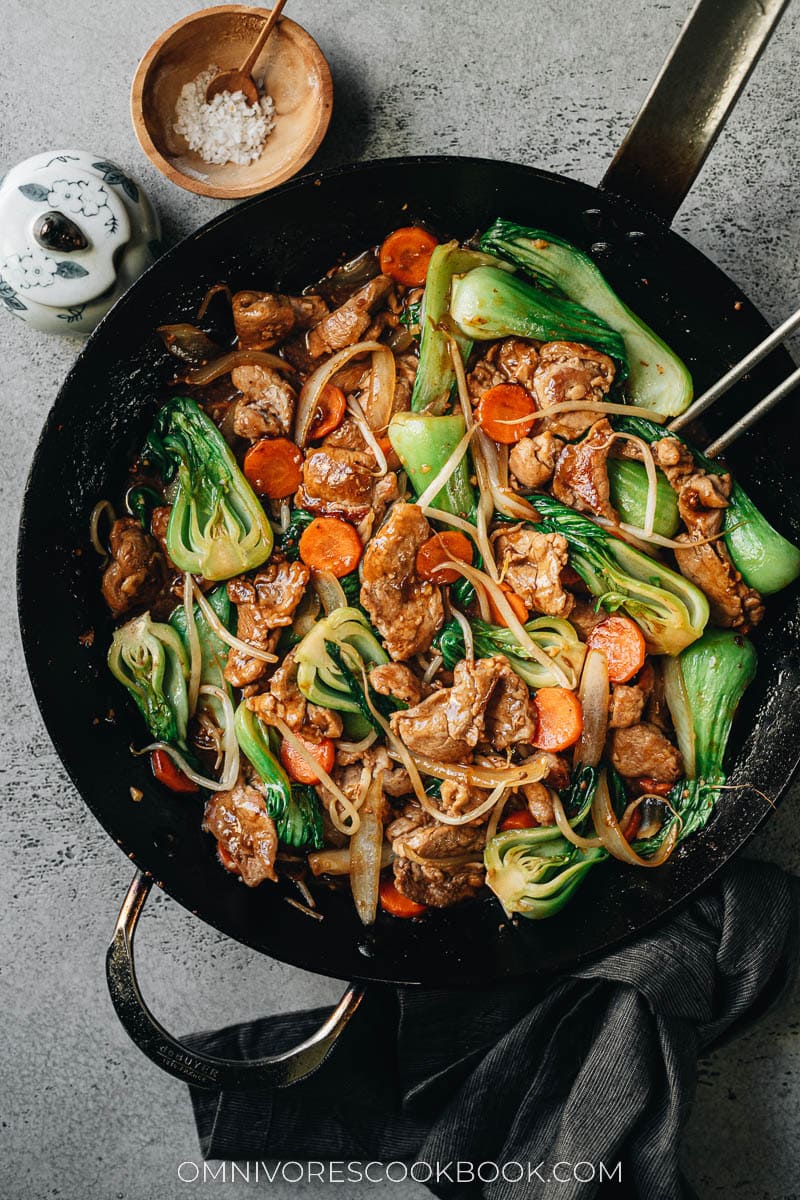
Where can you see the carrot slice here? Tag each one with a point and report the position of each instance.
(560, 719)
(518, 606)
(406, 253)
(167, 773)
(658, 787)
(274, 467)
(634, 825)
(298, 769)
(622, 642)
(329, 413)
(521, 819)
(506, 412)
(330, 544)
(396, 903)
(438, 549)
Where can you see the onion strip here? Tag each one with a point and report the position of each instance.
(357, 747)
(532, 771)
(200, 376)
(433, 666)
(195, 653)
(612, 837)
(326, 782)
(562, 821)
(312, 388)
(513, 622)
(329, 590)
(102, 506)
(357, 413)
(226, 636)
(593, 694)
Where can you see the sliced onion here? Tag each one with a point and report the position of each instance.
(102, 507)
(434, 664)
(494, 819)
(330, 591)
(365, 853)
(593, 694)
(466, 630)
(474, 775)
(209, 296)
(513, 622)
(357, 747)
(568, 832)
(193, 638)
(236, 358)
(337, 862)
(446, 862)
(680, 710)
(312, 388)
(306, 614)
(379, 400)
(357, 413)
(612, 837)
(327, 784)
(226, 636)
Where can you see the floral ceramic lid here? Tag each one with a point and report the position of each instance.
(75, 231)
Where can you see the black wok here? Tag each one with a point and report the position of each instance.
(285, 239)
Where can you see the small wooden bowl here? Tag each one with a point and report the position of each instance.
(296, 75)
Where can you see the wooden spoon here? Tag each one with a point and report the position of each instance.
(241, 79)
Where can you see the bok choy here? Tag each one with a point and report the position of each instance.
(534, 872)
(489, 303)
(629, 489)
(671, 612)
(766, 560)
(657, 378)
(213, 651)
(149, 659)
(294, 808)
(554, 635)
(330, 657)
(217, 527)
(424, 443)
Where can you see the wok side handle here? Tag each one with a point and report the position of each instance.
(186, 1064)
(690, 100)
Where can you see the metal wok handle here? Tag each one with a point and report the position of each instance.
(690, 100)
(203, 1070)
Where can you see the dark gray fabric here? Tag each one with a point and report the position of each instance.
(599, 1066)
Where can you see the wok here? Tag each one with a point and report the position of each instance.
(284, 239)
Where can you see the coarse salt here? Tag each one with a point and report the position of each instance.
(227, 129)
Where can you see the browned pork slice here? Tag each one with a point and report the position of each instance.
(449, 724)
(262, 319)
(406, 610)
(581, 474)
(285, 700)
(510, 716)
(455, 870)
(398, 680)
(533, 459)
(643, 750)
(513, 360)
(348, 323)
(531, 563)
(626, 706)
(343, 482)
(245, 832)
(539, 800)
(266, 405)
(584, 616)
(136, 574)
(264, 603)
(571, 371)
(395, 780)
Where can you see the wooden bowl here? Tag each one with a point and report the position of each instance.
(295, 74)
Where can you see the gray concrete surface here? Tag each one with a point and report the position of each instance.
(84, 1116)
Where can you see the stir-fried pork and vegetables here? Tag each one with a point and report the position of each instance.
(415, 586)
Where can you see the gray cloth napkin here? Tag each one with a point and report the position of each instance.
(599, 1065)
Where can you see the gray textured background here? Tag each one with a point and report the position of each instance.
(84, 1115)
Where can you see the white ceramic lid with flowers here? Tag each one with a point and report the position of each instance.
(75, 231)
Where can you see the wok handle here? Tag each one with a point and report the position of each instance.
(172, 1056)
(690, 100)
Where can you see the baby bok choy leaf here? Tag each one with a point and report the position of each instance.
(671, 612)
(554, 635)
(534, 872)
(213, 651)
(766, 560)
(657, 378)
(629, 490)
(294, 808)
(703, 688)
(217, 527)
(329, 661)
(424, 443)
(435, 374)
(149, 659)
(488, 303)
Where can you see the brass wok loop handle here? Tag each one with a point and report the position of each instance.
(188, 1065)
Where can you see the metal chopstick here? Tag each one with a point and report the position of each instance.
(734, 375)
(755, 414)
